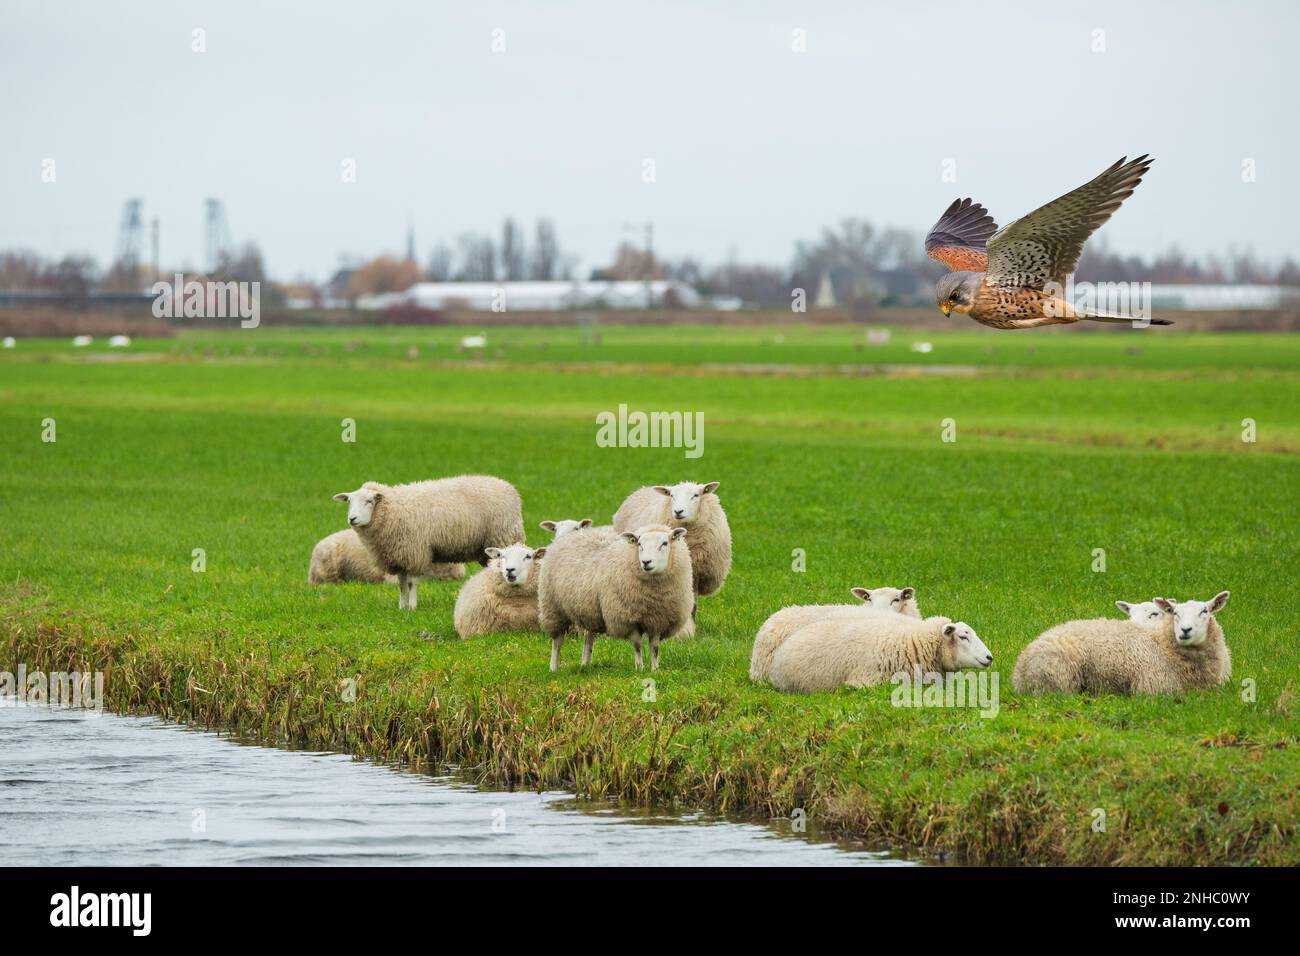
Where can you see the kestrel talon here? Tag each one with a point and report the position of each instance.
(1014, 277)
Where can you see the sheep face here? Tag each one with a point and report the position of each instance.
(654, 548)
(901, 600)
(564, 526)
(515, 562)
(685, 498)
(1147, 612)
(1192, 618)
(963, 646)
(361, 505)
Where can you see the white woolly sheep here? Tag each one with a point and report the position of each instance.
(565, 525)
(410, 528)
(342, 557)
(786, 621)
(633, 586)
(1144, 612)
(869, 649)
(1182, 651)
(695, 508)
(503, 596)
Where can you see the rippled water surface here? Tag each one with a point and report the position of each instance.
(108, 790)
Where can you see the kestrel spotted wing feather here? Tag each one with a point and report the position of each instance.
(958, 238)
(1045, 245)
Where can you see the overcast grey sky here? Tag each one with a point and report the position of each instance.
(754, 145)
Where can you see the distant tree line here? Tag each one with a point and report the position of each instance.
(861, 264)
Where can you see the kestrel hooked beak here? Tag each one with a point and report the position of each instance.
(1013, 278)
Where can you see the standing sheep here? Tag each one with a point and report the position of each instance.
(632, 586)
(695, 508)
(1183, 650)
(564, 525)
(411, 528)
(869, 649)
(503, 596)
(342, 557)
(786, 621)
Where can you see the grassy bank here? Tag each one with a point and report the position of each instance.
(230, 442)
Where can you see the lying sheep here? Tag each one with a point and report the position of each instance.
(695, 508)
(503, 596)
(869, 649)
(634, 586)
(411, 528)
(1144, 612)
(342, 557)
(1181, 651)
(565, 525)
(786, 621)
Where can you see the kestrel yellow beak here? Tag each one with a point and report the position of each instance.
(946, 309)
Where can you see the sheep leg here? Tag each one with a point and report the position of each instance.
(588, 642)
(556, 643)
(654, 653)
(401, 591)
(411, 582)
(636, 650)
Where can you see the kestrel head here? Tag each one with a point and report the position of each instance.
(955, 292)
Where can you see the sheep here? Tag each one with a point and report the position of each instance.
(634, 585)
(342, 556)
(503, 596)
(1144, 612)
(695, 508)
(868, 649)
(410, 528)
(1182, 651)
(786, 621)
(565, 525)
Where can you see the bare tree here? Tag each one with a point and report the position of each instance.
(546, 252)
(440, 263)
(513, 256)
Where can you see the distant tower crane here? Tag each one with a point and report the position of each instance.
(217, 234)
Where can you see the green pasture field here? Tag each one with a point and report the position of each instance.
(1128, 441)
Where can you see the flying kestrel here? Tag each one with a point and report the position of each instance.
(1014, 277)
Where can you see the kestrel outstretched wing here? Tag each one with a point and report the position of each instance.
(958, 238)
(1044, 246)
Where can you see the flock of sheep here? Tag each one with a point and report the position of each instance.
(638, 579)
(635, 580)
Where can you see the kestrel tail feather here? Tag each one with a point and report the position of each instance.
(1103, 317)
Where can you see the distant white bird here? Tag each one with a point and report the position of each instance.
(119, 341)
(9, 342)
(81, 341)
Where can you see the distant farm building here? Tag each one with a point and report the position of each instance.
(538, 296)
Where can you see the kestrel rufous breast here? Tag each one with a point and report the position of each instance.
(1014, 277)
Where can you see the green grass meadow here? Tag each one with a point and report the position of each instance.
(1127, 441)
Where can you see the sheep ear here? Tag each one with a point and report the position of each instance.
(862, 594)
(949, 630)
(584, 523)
(678, 533)
(1219, 601)
(342, 496)
(711, 487)
(908, 594)
(1164, 604)
(547, 526)
(629, 536)
(663, 490)
(1123, 606)
(539, 554)
(492, 552)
